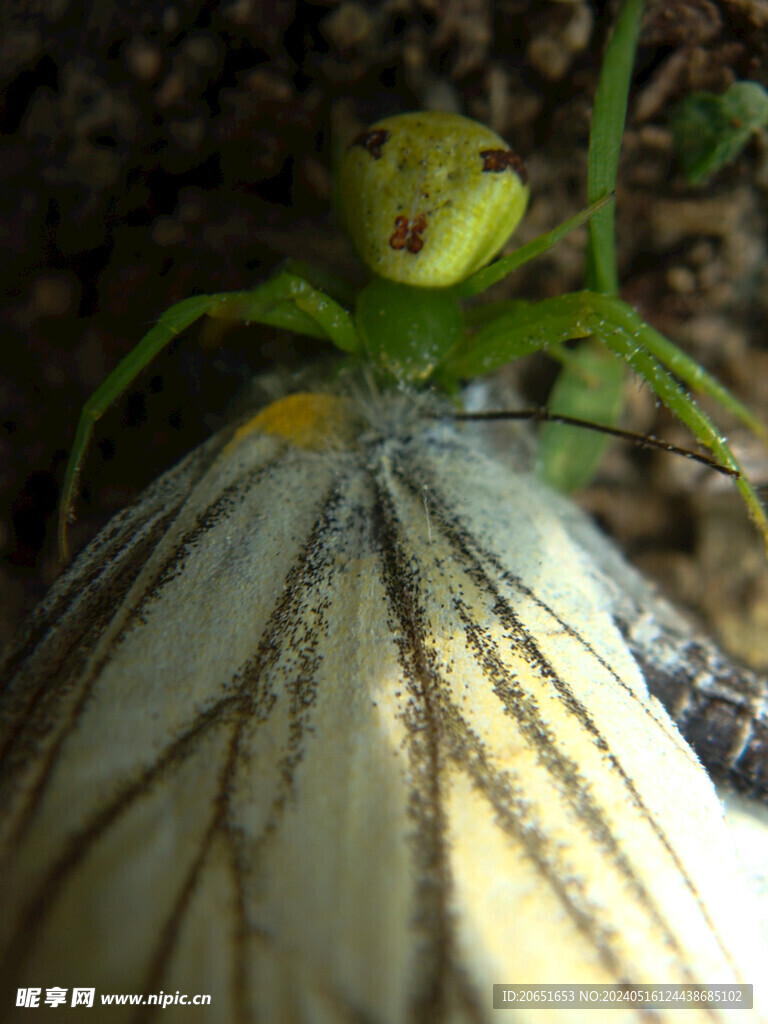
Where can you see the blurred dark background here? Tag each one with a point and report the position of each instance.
(154, 150)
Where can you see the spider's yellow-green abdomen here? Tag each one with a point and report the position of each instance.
(429, 198)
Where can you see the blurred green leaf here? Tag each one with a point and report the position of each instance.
(591, 387)
(710, 130)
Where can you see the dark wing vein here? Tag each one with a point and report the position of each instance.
(437, 976)
(475, 561)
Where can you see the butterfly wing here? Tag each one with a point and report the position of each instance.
(345, 735)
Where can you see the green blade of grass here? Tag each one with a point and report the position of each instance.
(608, 117)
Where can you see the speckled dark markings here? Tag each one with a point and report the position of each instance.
(212, 516)
(474, 553)
(64, 641)
(244, 706)
(32, 729)
(438, 731)
(436, 967)
(720, 712)
(472, 558)
(254, 703)
(118, 547)
(496, 161)
(77, 847)
(572, 784)
(576, 789)
(311, 568)
(29, 715)
(165, 948)
(248, 680)
(508, 803)
(287, 628)
(372, 140)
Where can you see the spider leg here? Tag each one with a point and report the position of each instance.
(524, 329)
(621, 318)
(290, 302)
(652, 356)
(504, 266)
(285, 301)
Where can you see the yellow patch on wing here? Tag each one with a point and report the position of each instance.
(313, 421)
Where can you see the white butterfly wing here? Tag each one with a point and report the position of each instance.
(351, 736)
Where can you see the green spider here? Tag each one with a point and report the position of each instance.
(429, 199)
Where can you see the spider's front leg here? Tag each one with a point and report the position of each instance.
(518, 329)
(292, 303)
(286, 301)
